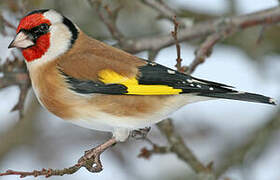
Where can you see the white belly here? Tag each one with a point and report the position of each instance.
(106, 122)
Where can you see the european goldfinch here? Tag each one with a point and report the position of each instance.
(96, 86)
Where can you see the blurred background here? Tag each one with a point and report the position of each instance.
(242, 139)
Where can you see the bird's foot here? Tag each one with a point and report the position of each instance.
(140, 133)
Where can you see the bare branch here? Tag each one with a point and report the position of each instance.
(261, 34)
(203, 51)
(258, 142)
(178, 146)
(22, 96)
(147, 153)
(15, 73)
(109, 20)
(204, 29)
(21, 133)
(7, 23)
(91, 161)
(164, 10)
(178, 48)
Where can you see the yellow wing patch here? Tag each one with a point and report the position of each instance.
(108, 76)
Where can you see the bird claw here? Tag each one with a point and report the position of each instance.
(140, 133)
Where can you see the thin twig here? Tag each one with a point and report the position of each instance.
(147, 153)
(258, 142)
(156, 149)
(22, 96)
(178, 146)
(109, 20)
(178, 48)
(261, 34)
(15, 73)
(164, 10)
(203, 29)
(203, 52)
(91, 161)
(7, 23)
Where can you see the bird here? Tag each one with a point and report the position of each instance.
(97, 86)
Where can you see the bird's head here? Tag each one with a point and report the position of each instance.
(43, 35)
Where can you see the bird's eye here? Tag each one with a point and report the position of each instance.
(44, 27)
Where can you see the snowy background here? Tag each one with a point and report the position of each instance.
(209, 128)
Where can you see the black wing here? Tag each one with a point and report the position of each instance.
(156, 74)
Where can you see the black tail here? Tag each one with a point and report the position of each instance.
(216, 90)
(242, 96)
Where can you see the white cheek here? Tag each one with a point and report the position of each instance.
(60, 40)
(53, 16)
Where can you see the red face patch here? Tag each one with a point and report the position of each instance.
(32, 21)
(39, 49)
(42, 43)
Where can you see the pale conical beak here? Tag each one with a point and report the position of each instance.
(21, 41)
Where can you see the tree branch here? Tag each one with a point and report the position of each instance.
(91, 161)
(147, 153)
(258, 142)
(15, 73)
(203, 52)
(178, 146)
(161, 7)
(21, 133)
(7, 23)
(109, 20)
(178, 48)
(203, 29)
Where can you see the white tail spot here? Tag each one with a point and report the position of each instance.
(272, 101)
(170, 71)
(190, 81)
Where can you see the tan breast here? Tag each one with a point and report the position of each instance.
(50, 90)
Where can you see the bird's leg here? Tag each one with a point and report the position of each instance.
(140, 133)
(91, 158)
